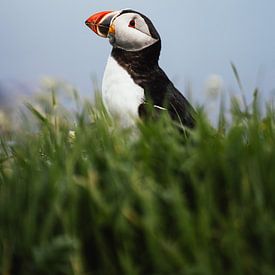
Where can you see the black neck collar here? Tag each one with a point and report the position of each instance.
(140, 62)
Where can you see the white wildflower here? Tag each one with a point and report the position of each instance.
(214, 86)
(71, 135)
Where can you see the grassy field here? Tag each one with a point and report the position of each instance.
(78, 195)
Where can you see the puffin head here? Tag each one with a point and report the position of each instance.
(126, 29)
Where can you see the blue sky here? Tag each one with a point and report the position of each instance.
(199, 38)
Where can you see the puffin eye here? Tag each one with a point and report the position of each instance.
(132, 23)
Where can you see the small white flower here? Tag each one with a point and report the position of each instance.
(213, 85)
(48, 82)
(71, 135)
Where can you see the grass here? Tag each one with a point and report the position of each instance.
(78, 195)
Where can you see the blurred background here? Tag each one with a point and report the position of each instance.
(45, 40)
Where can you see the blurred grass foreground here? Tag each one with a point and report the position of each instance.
(78, 195)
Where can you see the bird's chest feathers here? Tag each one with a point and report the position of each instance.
(121, 95)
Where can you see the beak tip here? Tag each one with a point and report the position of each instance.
(94, 21)
(87, 23)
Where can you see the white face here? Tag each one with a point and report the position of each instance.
(131, 32)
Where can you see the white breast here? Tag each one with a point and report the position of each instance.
(121, 96)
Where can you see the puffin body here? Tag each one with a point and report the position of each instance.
(132, 77)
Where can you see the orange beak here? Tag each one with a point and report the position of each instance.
(100, 22)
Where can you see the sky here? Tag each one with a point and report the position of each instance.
(199, 40)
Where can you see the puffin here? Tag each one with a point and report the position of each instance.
(134, 86)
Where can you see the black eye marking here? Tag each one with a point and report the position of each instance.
(132, 23)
